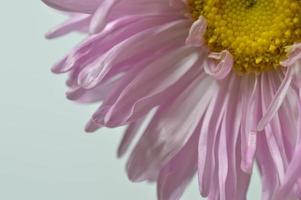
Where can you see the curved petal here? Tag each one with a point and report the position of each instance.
(208, 141)
(128, 136)
(219, 65)
(179, 171)
(86, 6)
(75, 23)
(170, 129)
(277, 100)
(97, 45)
(250, 112)
(196, 33)
(145, 41)
(161, 78)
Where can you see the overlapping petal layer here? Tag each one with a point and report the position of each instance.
(144, 55)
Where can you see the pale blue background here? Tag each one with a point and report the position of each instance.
(44, 152)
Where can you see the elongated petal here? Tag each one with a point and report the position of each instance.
(135, 45)
(75, 23)
(87, 6)
(161, 76)
(169, 131)
(178, 172)
(208, 138)
(128, 136)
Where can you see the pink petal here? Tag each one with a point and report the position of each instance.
(251, 110)
(197, 30)
(87, 6)
(136, 46)
(294, 54)
(178, 172)
(161, 78)
(278, 99)
(75, 23)
(98, 21)
(170, 129)
(219, 65)
(128, 136)
(208, 137)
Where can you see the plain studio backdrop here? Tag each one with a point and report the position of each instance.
(44, 152)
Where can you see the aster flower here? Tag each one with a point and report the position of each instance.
(221, 77)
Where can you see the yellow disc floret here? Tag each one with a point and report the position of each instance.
(255, 32)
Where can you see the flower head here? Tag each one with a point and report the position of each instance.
(221, 77)
(255, 32)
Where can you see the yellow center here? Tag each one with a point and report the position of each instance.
(255, 32)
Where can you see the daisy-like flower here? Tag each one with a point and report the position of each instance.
(222, 78)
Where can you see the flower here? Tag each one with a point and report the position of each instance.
(221, 80)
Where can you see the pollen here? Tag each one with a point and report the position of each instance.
(255, 32)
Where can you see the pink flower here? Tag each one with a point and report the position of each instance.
(222, 79)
